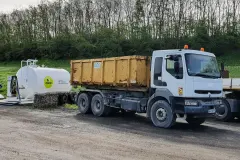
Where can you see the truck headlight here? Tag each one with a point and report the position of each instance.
(218, 102)
(191, 103)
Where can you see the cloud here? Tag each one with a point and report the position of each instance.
(6, 6)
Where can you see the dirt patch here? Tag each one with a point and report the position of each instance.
(57, 134)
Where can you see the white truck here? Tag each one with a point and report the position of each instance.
(183, 83)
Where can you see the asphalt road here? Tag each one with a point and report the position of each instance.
(60, 134)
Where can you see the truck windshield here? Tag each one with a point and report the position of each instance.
(202, 66)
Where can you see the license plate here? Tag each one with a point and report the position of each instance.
(212, 111)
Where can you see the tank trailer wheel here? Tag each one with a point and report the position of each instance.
(84, 103)
(162, 114)
(62, 99)
(224, 113)
(65, 98)
(98, 107)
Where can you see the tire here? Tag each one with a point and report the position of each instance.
(84, 103)
(162, 114)
(98, 107)
(63, 99)
(225, 114)
(195, 121)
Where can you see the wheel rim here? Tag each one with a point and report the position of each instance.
(161, 114)
(223, 112)
(83, 103)
(65, 98)
(97, 105)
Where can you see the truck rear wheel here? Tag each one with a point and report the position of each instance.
(84, 103)
(162, 114)
(195, 121)
(98, 107)
(224, 113)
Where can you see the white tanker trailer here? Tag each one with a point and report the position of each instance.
(32, 80)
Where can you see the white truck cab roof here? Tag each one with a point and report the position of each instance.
(181, 51)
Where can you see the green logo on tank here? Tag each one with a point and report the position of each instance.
(48, 82)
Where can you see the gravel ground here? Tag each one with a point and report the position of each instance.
(58, 134)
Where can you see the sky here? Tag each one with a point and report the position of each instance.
(7, 6)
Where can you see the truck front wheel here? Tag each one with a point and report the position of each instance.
(162, 114)
(84, 103)
(195, 121)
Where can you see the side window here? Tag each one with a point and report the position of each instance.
(175, 67)
(158, 71)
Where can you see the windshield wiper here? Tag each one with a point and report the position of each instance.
(205, 75)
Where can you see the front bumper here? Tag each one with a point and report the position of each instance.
(205, 106)
(199, 109)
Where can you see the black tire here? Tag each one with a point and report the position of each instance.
(84, 103)
(98, 107)
(162, 114)
(63, 99)
(224, 113)
(195, 121)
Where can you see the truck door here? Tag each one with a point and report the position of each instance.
(168, 75)
(173, 74)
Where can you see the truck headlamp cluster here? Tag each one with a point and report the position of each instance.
(191, 103)
(218, 102)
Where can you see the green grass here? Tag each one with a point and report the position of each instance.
(6, 71)
(232, 63)
(71, 107)
(234, 71)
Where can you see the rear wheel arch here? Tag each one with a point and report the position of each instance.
(90, 93)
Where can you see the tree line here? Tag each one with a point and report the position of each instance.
(71, 29)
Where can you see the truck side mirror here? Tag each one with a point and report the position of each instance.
(167, 57)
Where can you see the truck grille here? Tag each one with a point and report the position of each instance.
(208, 91)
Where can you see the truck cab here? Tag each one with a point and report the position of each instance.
(185, 82)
